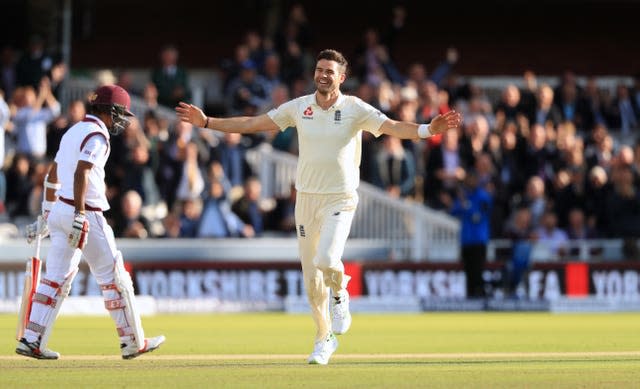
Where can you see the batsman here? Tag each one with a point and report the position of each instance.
(72, 214)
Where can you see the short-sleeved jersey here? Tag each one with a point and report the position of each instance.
(87, 140)
(329, 141)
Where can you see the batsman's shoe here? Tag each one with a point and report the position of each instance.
(130, 350)
(323, 349)
(32, 350)
(340, 315)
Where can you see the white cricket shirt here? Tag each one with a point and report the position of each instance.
(87, 140)
(330, 141)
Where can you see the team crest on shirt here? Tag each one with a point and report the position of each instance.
(308, 113)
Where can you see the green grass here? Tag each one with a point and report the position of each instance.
(492, 350)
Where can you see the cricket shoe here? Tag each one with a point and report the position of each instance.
(32, 350)
(340, 315)
(323, 349)
(130, 350)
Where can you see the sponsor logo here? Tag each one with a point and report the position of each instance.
(301, 231)
(308, 113)
(337, 117)
(337, 213)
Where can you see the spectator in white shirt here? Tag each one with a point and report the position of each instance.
(32, 118)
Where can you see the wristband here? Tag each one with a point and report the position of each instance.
(206, 122)
(424, 130)
(51, 185)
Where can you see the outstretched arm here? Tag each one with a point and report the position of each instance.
(408, 130)
(242, 124)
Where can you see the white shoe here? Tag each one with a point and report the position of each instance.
(323, 349)
(32, 350)
(340, 315)
(130, 350)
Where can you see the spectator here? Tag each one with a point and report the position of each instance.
(172, 158)
(445, 169)
(231, 154)
(551, 237)
(624, 115)
(171, 226)
(538, 157)
(171, 79)
(520, 232)
(544, 110)
(251, 208)
(272, 73)
(473, 207)
(247, 90)
(394, 169)
(509, 105)
(191, 182)
(32, 117)
(594, 100)
(578, 228)
(189, 219)
(475, 136)
(599, 150)
(572, 106)
(218, 220)
(130, 222)
(623, 206)
(19, 186)
(598, 190)
(150, 96)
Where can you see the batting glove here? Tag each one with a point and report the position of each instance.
(79, 231)
(39, 227)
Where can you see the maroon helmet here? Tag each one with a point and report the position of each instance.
(118, 99)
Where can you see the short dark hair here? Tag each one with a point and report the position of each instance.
(333, 55)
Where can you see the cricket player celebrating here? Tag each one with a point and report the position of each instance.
(329, 126)
(72, 213)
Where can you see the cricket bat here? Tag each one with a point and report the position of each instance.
(31, 281)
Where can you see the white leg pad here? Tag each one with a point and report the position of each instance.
(123, 282)
(61, 294)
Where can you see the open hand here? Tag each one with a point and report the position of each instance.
(191, 114)
(443, 122)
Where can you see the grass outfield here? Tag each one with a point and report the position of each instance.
(470, 350)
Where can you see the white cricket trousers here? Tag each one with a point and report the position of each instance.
(323, 223)
(62, 261)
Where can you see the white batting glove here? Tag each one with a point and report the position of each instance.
(79, 231)
(39, 227)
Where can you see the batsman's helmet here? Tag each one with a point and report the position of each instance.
(117, 102)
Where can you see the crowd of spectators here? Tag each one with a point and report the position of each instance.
(549, 155)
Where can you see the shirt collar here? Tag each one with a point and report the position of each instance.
(311, 100)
